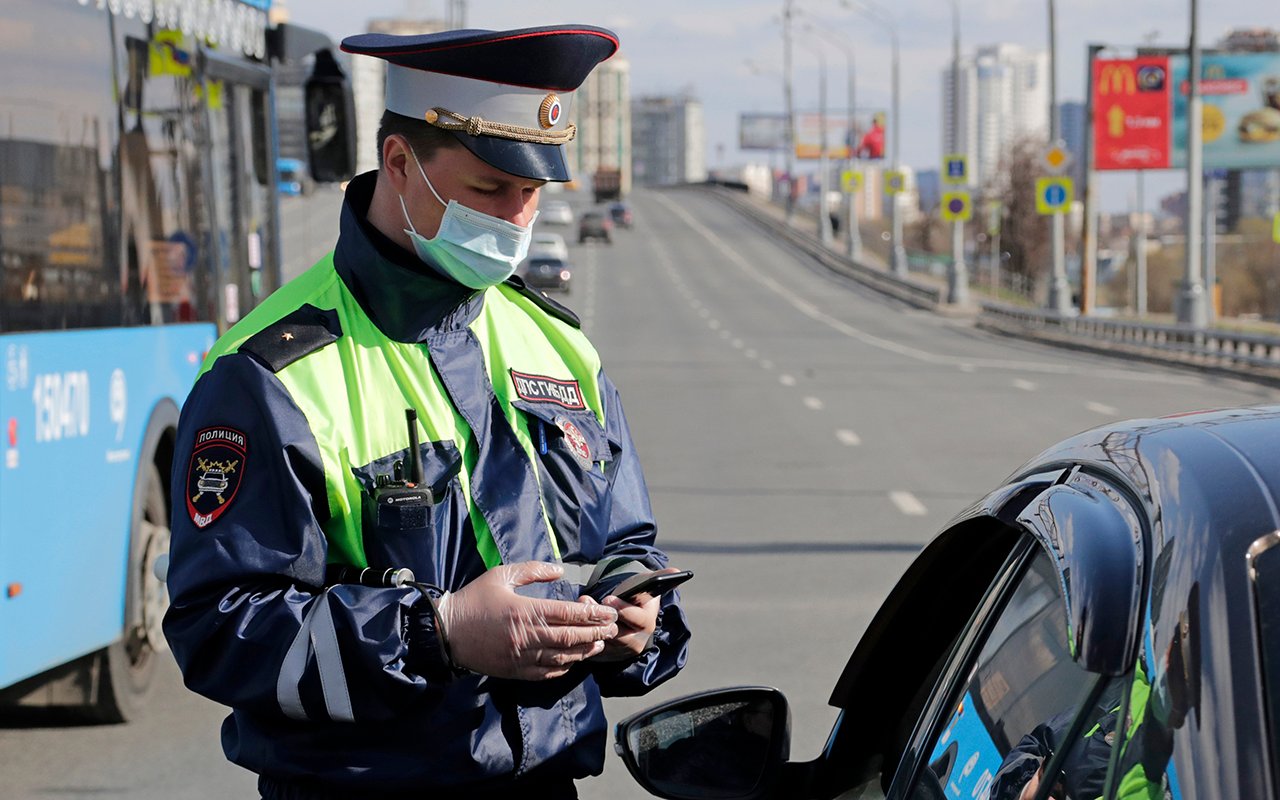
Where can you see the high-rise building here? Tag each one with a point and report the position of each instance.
(668, 142)
(369, 82)
(1003, 95)
(602, 111)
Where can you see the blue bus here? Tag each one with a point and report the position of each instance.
(138, 220)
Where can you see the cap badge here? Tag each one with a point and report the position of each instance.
(550, 111)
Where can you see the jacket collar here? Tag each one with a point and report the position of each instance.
(404, 297)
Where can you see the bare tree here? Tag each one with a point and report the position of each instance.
(1025, 235)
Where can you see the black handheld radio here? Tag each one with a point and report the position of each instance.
(400, 501)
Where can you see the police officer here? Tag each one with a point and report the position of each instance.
(403, 485)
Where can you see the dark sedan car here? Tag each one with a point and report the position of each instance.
(1104, 624)
(595, 225)
(548, 272)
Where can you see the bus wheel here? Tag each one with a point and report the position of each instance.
(129, 666)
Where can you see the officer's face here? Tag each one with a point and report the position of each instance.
(458, 175)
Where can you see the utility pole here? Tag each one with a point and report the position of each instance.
(1191, 302)
(824, 166)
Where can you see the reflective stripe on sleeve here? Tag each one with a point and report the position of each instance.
(317, 634)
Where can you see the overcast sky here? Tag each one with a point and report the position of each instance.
(703, 46)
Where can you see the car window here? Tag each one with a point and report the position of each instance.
(1019, 702)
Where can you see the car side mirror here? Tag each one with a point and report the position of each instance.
(726, 743)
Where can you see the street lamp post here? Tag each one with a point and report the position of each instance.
(824, 166)
(1191, 300)
(878, 14)
(1059, 290)
(787, 11)
(958, 277)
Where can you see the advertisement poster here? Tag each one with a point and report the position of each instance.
(1241, 106)
(1131, 113)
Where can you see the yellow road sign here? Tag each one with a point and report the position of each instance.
(1057, 158)
(957, 207)
(894, 182)
(850, 181)
(1275, 228)
(1053, 195)
(955, 169)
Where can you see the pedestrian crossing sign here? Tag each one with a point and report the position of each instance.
(894, 182)
(957, 207)
(955, 169)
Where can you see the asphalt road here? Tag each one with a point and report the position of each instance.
(802, 438)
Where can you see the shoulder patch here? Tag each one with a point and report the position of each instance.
(215, 473)
(293, 336)
(548, 305)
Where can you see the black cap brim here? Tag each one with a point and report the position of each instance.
(542, 162)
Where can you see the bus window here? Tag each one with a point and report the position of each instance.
(57, 160)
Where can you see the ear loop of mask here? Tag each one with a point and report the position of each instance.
(423, 173)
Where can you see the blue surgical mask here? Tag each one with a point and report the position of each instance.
(475, 249)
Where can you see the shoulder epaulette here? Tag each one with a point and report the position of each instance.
(288, 339)
(548, 305)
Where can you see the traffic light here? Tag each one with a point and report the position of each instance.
(1229, 203)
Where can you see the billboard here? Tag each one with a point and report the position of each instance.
(1241, 107)
(1140, 110)
(862, 134)
(762, 131)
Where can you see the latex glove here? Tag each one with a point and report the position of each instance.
(636, 623)
(492, 630)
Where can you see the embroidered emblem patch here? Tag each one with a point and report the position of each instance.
(541, 389)
(576, 441)
(214, 475)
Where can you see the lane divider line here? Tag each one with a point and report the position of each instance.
(848, 438)
(1102, 408)
(813, 403)
(908, 504)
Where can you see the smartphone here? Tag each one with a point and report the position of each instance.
(639, 588)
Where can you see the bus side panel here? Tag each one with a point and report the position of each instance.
(75, 407)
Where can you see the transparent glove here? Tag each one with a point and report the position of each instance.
(492, 630)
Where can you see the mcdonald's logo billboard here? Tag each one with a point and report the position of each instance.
(1131, 112)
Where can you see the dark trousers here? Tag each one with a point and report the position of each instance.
(528, 789)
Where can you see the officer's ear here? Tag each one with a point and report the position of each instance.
(397, 161)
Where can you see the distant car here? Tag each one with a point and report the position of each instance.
(1105, 623)
(547, 272)
(549, 244)
(555, 212)
(620, 213)
(595, 225)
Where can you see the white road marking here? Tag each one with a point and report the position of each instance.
(786, 380)
(1102, 408)
(908, 504)
(767, 364)
(813, 403)
(809, 310)
(848, 437)
(1024, 385)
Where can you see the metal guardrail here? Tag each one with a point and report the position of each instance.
(1246, 352)
(917, 294)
